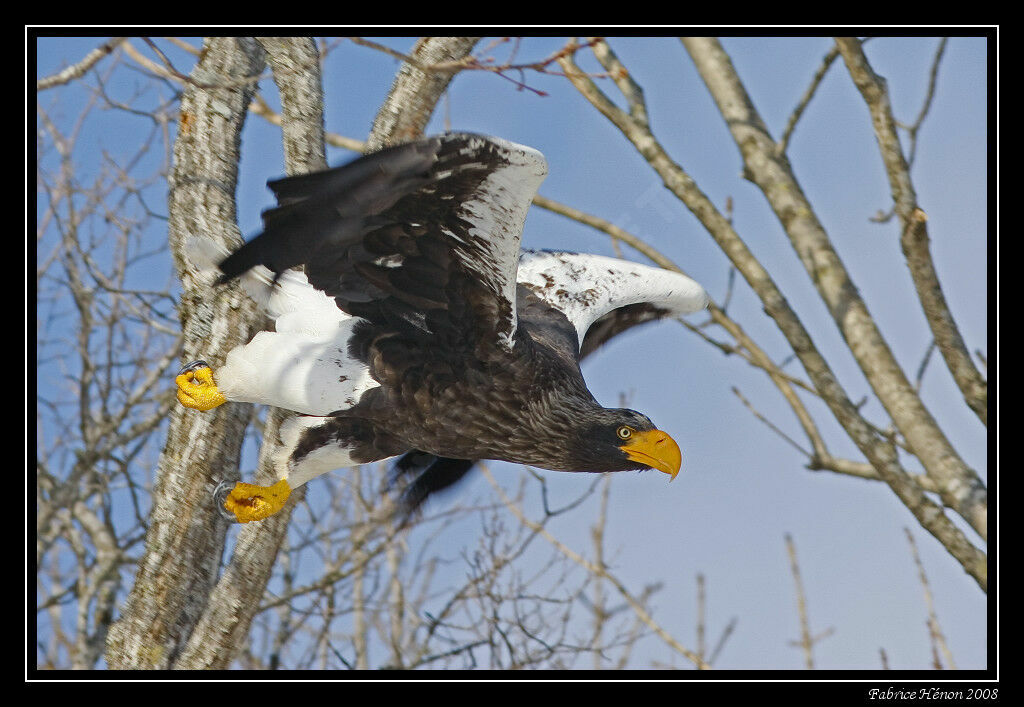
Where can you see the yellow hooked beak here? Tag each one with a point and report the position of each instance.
(655, 449)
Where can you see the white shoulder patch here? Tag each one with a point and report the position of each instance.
(586, 287)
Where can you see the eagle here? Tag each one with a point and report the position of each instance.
(409, 323)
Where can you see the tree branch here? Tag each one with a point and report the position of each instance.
(914, 238)
(79, 69)
(409, 105)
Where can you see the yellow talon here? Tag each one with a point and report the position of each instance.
(196, 388)
(250, 502)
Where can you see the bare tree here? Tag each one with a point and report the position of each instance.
(135, 565)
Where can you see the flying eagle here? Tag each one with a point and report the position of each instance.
(417, 327)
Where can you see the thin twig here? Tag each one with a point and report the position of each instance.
(726, 632)
(933, 75)
(806, 641)
(924, 365)
(78, 69)
(771, 426)
(798, 111)
(938, 639)
(701, 616)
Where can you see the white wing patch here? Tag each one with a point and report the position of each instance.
(497, 212)
(586, 287)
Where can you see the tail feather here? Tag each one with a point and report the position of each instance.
(290, 292)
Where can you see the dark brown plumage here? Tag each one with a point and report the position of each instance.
(420, 475)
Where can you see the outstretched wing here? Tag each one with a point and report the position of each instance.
(606, 293)
(423, 237)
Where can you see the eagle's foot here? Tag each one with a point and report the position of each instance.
(249, 502)
(196, 388)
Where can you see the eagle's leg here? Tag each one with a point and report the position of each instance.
(249, 502)
(196, 388)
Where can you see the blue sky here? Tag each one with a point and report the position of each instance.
(742, 487)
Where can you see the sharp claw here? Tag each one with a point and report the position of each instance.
(193, 366)
(220, 495)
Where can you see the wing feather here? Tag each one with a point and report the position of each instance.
(586, 288)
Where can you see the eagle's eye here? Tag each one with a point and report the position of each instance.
(624, 432)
